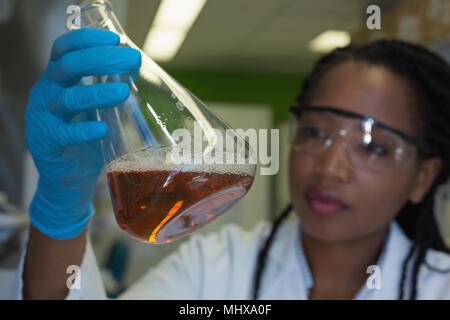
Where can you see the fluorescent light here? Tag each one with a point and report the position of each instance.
(329, 40)
(179, 14)
(172, 22)
(162, 44)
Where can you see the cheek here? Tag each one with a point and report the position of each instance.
(381, 196)
(301, 177)
(300, 172)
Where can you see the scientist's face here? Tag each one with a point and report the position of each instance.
(371, 199)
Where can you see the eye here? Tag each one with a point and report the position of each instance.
(310, 131)
(375, 149)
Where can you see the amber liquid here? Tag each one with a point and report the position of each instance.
(159, 206)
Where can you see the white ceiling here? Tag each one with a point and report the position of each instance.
(252, 35)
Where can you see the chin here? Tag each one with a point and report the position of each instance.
(325, 233)
(330, 229)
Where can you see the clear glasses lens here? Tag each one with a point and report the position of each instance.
(368, 146)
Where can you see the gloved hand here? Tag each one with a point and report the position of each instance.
(64, 146)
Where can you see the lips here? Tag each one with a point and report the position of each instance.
(324, 203)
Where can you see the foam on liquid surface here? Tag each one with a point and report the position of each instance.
(160, 159)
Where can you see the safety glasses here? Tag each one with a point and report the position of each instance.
(369, 143)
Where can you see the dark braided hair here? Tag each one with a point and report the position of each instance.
(265, 249)
(429, 76)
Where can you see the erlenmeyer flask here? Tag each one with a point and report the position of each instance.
(172, 165)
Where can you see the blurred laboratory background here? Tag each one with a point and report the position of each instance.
(245, 59)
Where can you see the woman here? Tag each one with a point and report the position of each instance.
(404, 86)
(371, 143)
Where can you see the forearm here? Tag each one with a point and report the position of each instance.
(45, 270)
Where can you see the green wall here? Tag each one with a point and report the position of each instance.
(276, 90)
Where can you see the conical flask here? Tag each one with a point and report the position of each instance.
(173, 166)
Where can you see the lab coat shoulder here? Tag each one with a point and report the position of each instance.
(219, 265)
(435, 276)
(431, 284)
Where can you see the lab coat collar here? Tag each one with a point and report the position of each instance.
(396, 250)
(284, 254)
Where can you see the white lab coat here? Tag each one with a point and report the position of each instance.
(222, 266)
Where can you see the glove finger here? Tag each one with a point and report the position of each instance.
(77, 99)
(82, 39)
(78, 133)
(98, 61)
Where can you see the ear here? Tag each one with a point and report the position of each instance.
(428, 171)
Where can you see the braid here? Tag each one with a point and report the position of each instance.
(429, 75)
(260, 263)
(404, 269)
(423, 241)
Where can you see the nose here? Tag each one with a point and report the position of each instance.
(333, 163)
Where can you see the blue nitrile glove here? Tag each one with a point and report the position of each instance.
(65, 148)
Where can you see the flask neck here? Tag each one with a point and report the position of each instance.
(99, 14)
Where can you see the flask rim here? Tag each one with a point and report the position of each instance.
(100, 5)
(88, 4)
